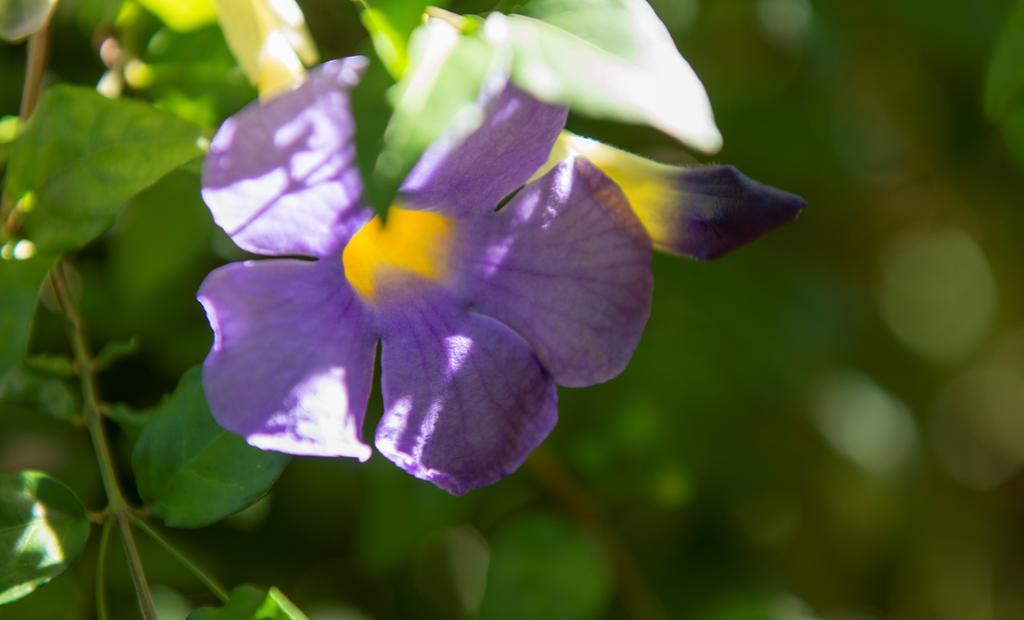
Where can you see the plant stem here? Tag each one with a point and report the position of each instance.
(211, 583)
(120, 511)
(457, 21)
(119, 508)
(101, 571)
(637, 595)
(35, 66)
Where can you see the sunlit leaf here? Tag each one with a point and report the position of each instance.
(609, 59)
(19, 282)
(1005, 86)
(22, 18)
(252, 603)
(43, 528)
(59, 599)
(189, 470)
(543, 567)
(8, 131)
(436, 96)
(270, 40)
(82, 156)
(183, 15)
(192, 74)
(390, 23)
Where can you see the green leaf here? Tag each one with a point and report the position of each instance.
(437, 96)
(542, 567)
(82, 156)
(192, 74)
(1005, 85)
(24, 389)
(55, 364)
(189, 470)
(8, 131)
(390, 23)
(114, 351)
(371, 115)
(43, 528)
(22, 18)
(252, 603)
(19, 282)
(608, 59)
(183, 15)
(60, 599)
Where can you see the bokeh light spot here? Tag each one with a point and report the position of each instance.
(864, 422)
(938, 293)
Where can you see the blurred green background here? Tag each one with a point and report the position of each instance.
(828, 424)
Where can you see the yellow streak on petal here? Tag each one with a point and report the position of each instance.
(648, 185)
(411, 243)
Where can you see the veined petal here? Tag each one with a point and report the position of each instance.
(292, 360)
(568, 266)
(472, 175)
(465, 399)
(281, 177)
(702, 212)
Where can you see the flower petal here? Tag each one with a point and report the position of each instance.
(474, 174)
(702, 212)
(292, 360)
(465, 399)
(567, 265)
(281, 177)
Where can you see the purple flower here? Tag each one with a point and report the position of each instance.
(479, 313)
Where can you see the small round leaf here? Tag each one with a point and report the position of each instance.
(43, 528)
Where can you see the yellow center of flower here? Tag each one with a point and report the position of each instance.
(410, 243)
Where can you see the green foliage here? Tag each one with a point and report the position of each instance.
(436, 96)
(183, 15)
(192, 472)
(372, 118)
(1004, 89)
(32, 392)
(43, 528)
(707, 453)
(398, 513)
(252, 603)
(8, 131)
(608, 59)
(562, 569)
(192, 74)
(22, 18)
(20, 281)
(390, 23)
(82, 156)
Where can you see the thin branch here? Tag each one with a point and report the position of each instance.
(120, 510)
(637, 595)
(457, 21)
(35, 67)
(102, 613)
(212, 584)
